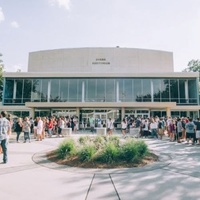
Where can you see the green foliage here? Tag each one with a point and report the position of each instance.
(193, 66)
(133, 150)
(109, 153)
(103, 149)
(67, 147)
(84, 139)
(87, 152)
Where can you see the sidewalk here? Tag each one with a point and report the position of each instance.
(29, 175)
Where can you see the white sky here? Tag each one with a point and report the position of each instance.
(33, 25)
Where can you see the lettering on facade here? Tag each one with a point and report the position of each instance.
(101, 61)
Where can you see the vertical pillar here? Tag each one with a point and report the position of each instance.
(123, 113)
(168, 112)
(83, 91)
(14, 90)
(32, 113)
(117, 91)
(49, 91)
(186, 92)
(152, 92)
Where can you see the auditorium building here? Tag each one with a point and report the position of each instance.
(101, 82)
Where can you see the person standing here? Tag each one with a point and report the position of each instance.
(124, 127)
(190, 131)
(39, 129)
(18, 128)
(27, 129)
(109, 126)
(4, 131)
(198, 130)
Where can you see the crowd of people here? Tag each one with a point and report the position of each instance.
(178, 129)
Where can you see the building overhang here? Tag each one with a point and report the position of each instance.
(149, 105)
(99, 75)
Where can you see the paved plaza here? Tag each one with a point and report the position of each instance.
(28, 175)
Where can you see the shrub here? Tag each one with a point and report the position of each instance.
(84, 139)
(99, 142)
(133, 150)
(114, 140)
(87, 152)
(67, 147)
(109, 153)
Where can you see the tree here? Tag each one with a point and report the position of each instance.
(1, 78)
(193, 66)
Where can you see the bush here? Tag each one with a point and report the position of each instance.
(99, 142)
(109, 153)
(133, 151)
(87, 152)
(114, 140)
(67, 147)
(84, 140)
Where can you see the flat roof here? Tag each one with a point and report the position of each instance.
(99, 75)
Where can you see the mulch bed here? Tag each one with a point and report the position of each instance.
(75, 162)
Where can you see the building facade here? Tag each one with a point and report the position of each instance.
(101, 82)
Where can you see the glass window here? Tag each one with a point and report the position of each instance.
(73, 90)
(146, 84)
(44, 90)
(64, 91)
(55, 90)
(9, 89)
(110, 90)
(36, 90)
(27, 90)
(128, 90)
(137, 90)
(192, 89)
(19, 89)
(182, 91)
(165, 90)
(90, 90)
(101, 95)
(174, 90)
(156, 90)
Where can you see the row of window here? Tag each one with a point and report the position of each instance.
(19, 91)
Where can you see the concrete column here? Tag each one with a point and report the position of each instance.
(14, 90)
(83, 91)
(48, 91)
(32, 113)
(78, 112)
(122, 113)
(152, 92)
(186, 91)
(117, 91)
(168, 112)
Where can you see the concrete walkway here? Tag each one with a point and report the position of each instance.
(28, 175)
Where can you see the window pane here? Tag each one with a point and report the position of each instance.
(156, 90)
(128, 90)
(27, 90)
(182, 91)
(19, 88)
(137, 90)
(101, 90)
(174, 90)
(91, 90)
(64, 90)
(36, 90)
(8, 94)
(192, 89)
(44, 90)
(55, 90)
(110, 90)
(165, 90)
(73, 90)
(146, 90)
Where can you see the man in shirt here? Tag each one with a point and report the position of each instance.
(4, 131)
